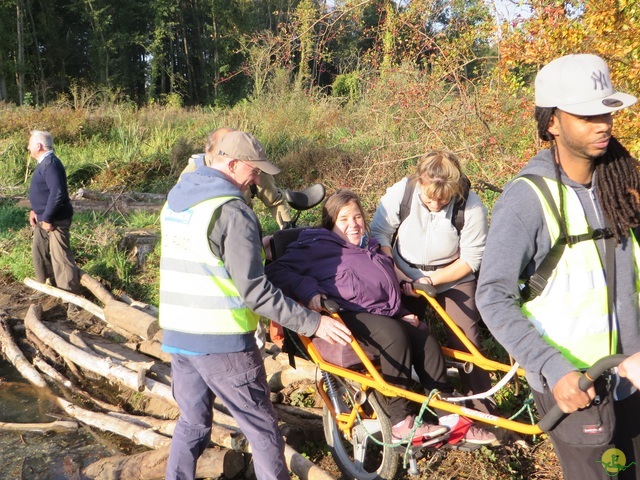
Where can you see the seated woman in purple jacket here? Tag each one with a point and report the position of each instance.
(340, 262)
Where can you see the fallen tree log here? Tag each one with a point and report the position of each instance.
(57, 426)
(213, 463)
(124, 319)
(93, 363)
(15, 356)
(298, 464)
(65, 296)
(95, 287)
(153, 348)
(303, 467)
(141, 305)
(140, 435)
(131, 319)
(118, 352)
(282, 378)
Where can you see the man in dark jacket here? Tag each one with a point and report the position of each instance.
(50, 216)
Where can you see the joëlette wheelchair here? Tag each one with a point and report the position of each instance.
(356, 426)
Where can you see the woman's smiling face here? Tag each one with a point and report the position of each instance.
(349, 224)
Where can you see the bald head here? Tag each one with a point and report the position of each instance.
(212, 143)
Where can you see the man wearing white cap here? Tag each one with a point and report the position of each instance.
(558, 286)
(212, 292)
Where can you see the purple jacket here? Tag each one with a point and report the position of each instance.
(358, 279)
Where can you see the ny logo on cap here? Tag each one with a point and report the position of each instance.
(599, 78)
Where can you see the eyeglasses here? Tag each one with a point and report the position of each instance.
(254, 170)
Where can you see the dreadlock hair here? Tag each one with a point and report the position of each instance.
(618, 178)
(619, 188)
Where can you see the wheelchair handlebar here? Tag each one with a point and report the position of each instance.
(553, 416)
(330, 305)
(424, 287)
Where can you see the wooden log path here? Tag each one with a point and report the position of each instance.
(138, 371)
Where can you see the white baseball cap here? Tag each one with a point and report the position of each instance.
(581, 85)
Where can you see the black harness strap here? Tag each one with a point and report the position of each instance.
(537, 282)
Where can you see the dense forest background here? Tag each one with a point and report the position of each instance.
(217, 52)
(346, 92)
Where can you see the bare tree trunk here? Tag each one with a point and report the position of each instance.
(94, 363)
(213, 463)
(20, 37)
(57, 426)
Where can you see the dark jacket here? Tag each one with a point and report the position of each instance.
(48, 192)
(358, 279)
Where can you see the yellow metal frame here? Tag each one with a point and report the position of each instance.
(371, 379)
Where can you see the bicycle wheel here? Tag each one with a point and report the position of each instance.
(362, 458)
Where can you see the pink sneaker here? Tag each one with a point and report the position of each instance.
(464, 430)
(402, 431)
(479, 436)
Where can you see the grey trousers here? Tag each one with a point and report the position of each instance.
(52, 256)
(240, 381)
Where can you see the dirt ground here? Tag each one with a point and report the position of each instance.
(509, 461)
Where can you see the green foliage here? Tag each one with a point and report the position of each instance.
(303, 398)
(347, 85)
(15, 241)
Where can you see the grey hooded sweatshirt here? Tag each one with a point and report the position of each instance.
(518, 241)
(234, 237)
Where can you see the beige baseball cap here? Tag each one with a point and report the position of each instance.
(244, 146)
(579, 84)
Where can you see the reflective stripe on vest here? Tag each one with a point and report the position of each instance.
(571, 313)
(197, 295)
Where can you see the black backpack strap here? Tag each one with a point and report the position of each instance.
(457, 217)
(537, 282)
(405, 204)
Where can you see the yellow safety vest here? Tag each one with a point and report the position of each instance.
(197, 295)
(571, 313)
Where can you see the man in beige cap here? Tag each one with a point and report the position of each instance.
(212, 291)
(267, 191)
(558, 286)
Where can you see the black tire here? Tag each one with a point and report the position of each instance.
(374, 462)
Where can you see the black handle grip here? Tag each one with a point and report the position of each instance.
(553, 416)
(424, 287)
(329, 305)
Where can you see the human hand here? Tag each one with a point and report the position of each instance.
(316, 302)
(630, 368)
(408, 290)
(333, 331)
(411, 319)
(568, 394)
(33, 218)
(47, 226)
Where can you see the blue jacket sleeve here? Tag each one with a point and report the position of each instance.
(56, 180)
